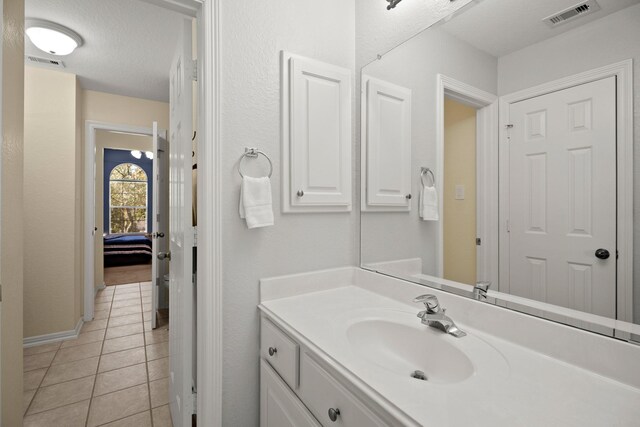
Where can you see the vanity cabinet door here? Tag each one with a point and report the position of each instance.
(280, 351)
(317, 136)
(279, 407)
(329, 401)
(387, 149)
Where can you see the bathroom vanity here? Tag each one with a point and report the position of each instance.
(342, 347)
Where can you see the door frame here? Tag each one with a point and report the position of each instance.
(486, 171)
(91, 127)
(623, 71)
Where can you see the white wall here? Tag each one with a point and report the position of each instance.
(611, 39)
(415, 65)
(250, 116)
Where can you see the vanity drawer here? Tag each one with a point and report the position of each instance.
(321, 393)
(280, 351)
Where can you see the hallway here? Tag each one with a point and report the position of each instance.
(114, 374)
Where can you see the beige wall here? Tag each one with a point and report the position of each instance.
(104, 140)
(11, 261)
(459, 220)
(53, 202)
(116, 109)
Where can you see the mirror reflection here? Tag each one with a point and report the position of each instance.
(498, 146)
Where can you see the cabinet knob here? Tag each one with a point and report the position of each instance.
(408, 196)
(272, 351)
(300, 193)
(334, 414)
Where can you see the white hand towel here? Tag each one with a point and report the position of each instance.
(255, 202)
(428, 208)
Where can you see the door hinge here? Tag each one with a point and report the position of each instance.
(478, 241)
(509, 126)
(194, 70)
(195, 237)
(508, 227)
(194, 403)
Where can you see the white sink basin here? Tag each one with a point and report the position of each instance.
(401, 348)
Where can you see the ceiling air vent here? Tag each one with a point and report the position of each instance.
(579, 10)
(55, 63)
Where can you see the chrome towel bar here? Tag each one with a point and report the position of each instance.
(254, 153)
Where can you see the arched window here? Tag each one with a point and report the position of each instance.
(128, 199)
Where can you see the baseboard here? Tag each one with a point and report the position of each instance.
(54, 337)
(99, 288)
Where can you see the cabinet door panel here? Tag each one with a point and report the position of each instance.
(279, 407)
(318, 112)
(388, 146)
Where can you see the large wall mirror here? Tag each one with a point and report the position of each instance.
(498, 146)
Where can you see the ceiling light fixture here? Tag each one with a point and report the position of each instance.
(136, 153)
(52, 38)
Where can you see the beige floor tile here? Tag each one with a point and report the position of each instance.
(156, 336)
(102, 306)
(147, 326)
(127, 296)
(146, 294)
(146, 315)
(124, 330)
(146, 307)
(126, 303)
(125, 320)
(71, 371)
(157, 351)
(37, 361)
(27, 396)
(111, 381)
(80, 352)
(103, 298)
(158, 369)
(45, 348)
(62, 394)
(162, 417)
(84, 338)
(74, 415)
(121, 359)
(118, 405)
(146, 300)
(32, 379)
(159, 392)
(94, 325)
(123, 311)
(134, 285)
(123, 343)
(100, 314)
(142, 419)
(127, 291)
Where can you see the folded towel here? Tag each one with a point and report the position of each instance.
(428, 208)
(255, 202)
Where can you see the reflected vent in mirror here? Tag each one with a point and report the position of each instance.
(35, 60)
(579, 10)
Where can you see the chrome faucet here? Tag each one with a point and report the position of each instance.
(435, 316)
(480, 290)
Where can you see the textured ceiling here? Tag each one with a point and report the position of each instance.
(499, 27)
(128, 44)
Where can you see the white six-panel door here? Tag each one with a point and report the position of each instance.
(562, 197)
(181, 304)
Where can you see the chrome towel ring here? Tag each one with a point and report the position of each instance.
(254, 153)
(427, 172)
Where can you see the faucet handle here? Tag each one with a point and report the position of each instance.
(430, 302)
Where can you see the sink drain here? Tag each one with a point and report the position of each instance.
(419, 375)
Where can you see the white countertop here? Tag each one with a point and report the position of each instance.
(512, 385)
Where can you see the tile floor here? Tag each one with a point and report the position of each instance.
(114, 374)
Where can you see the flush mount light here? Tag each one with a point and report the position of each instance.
(136, 153)
(392, 4)
(149, 155)
(52, 38)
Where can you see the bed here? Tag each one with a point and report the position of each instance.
(126, 249)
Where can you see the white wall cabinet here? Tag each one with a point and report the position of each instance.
(386, 156)
(316, 136)
(320, 398)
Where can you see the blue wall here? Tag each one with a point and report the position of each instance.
(113, 158)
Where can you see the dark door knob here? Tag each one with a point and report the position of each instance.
(602, 254)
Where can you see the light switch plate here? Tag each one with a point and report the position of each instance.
(459, 192)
